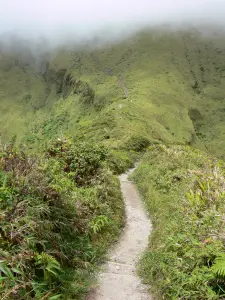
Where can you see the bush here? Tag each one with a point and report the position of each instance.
(137, 143)
(120, 161)
(82, 160)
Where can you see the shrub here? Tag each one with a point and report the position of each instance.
(82, 160)
(120, 161)
(137, 143)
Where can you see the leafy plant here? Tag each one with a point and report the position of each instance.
(219, 267)
(98, 223)
(49, 265)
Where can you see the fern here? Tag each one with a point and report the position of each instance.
(219, 267)
(49, 265)
(98, 223)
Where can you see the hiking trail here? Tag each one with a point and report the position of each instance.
(118, 279)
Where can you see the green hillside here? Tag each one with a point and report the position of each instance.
(73, 118)
(165, 86)
(167, 76)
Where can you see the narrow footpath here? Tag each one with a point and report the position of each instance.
(118, 279)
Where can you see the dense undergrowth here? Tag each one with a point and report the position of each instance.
(59, 213)
(184, 191)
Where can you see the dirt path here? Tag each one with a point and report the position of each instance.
(118, 280)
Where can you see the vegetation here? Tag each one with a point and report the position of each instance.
(168, 76)
(184, 192)
(58, 215)
(59, 197)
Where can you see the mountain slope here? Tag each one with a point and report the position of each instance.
(147, 85)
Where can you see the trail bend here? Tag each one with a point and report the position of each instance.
(118, 279)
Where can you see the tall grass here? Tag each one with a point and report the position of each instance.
(184, 193)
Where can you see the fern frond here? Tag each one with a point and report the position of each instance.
(219, 267)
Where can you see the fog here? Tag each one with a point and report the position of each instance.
(62, 20)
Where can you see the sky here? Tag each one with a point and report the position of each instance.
(61, 19)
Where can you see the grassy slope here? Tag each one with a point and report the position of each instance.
(184, 192)
(166, 74)
(152, 93)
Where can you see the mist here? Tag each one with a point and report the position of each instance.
(60, 21)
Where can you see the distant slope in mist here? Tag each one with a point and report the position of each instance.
(165, 86)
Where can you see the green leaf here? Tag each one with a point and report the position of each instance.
(17, 271)
(55, 297)
(219, 267)
(6, 270)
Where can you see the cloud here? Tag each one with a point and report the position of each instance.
(65, 19)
